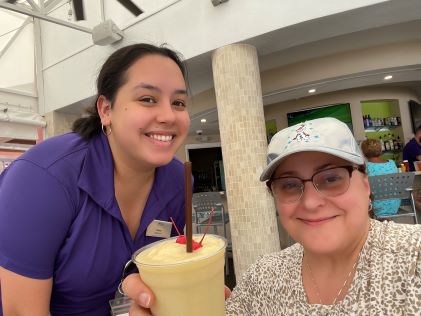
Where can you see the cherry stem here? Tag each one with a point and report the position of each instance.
(207, 226)
(175, 226)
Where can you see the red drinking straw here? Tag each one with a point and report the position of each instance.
(207, 226)
(175, 226)
(188, 205)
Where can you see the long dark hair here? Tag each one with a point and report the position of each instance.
(113, 75)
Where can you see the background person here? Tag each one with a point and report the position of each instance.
(412, 150)
(376, 166)
(74, 208)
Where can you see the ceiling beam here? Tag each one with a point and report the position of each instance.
(51, 4)
(102, 10)
(12, 39)
(44, 17)
(33, 5)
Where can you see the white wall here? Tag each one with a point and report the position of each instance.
(192, 27)
(400, 55)
(18, 100)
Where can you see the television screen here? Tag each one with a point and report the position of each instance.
(415, 109)
(340, 111)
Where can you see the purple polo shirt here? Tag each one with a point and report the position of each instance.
(410, 152)
(59, 218)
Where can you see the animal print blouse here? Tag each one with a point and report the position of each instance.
(387, 280)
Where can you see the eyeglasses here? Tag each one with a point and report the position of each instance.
(328, 182)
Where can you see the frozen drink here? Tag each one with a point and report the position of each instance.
(184, 284)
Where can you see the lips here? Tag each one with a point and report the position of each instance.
(317, 221)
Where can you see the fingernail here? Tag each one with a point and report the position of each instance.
(144, 299)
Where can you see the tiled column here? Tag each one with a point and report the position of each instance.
(58, 123)
(243, 139)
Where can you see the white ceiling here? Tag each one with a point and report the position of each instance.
(396, 21)
(200, 70)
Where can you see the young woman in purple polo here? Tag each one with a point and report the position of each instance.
(74, 208)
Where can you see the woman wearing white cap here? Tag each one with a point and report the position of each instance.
(343, 263)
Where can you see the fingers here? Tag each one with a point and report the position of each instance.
(227, 292)
(136, 310)
(138, 291)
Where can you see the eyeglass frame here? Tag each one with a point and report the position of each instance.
(349, 168)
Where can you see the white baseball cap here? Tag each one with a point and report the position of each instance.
(326, 135)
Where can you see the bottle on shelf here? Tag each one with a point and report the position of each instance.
(395, 143)
(389, 143)
(382, 143)
(386, 143)
(392, 146)
(365, 120)
(369, 121)
(399, 143)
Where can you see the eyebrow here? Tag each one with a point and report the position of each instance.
(326, 165)
(319, 168)
(156, 89)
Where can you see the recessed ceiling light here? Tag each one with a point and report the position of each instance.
(203, 120)
(388, 77)
(311, 90)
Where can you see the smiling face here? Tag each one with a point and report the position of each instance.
(149, 119)
(324, 224)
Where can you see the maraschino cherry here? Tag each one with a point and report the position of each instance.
(181, 239)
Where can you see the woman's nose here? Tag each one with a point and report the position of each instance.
(166, 113)
(311, 197)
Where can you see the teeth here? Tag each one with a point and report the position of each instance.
(162, 138)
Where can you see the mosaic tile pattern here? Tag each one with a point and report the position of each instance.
(243, 139)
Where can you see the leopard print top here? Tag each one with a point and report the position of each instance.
(387, 279)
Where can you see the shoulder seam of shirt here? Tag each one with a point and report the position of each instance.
(52, 176)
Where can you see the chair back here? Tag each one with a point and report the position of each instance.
(203, 203)
(392, 186)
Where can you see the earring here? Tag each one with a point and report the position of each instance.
(105, 131)
(370, 206)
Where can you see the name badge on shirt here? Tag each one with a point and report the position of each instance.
(159, 229)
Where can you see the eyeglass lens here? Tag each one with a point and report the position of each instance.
(330, 182)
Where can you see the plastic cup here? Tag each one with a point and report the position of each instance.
(406, 164)
(184, 284)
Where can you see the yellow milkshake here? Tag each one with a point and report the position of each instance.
(185, 284)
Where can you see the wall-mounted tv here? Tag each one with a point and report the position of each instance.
(340, 111)
(415, 109)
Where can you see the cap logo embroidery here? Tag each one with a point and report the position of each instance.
(303, 133)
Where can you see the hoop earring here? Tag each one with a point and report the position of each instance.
(105, 131)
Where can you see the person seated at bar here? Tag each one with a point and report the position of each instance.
(372, 150)
(343, 263)
(412, 149)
